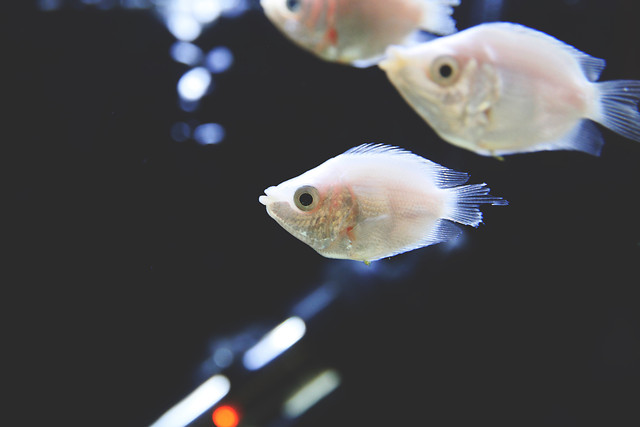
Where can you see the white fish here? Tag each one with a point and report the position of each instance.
(376, 201)
(357, 32)
(502, 88)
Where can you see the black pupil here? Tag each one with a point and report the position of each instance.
(445, 71)
(305, 199)
(293, 5)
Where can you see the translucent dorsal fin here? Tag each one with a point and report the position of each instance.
(442, 176)
(591, 66)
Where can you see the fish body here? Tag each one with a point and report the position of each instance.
(503, 88)
(357, 32)
(376, 201)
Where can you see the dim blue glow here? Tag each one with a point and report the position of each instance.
(234, 8)
(194, 84)
(317, 300)
(311, 393)
(487, 10)
(101, 4)
(189, 106)
(180, 131)
(223, 357)
(274, 343)
(209, 133)
(48, 5)
(186, 52)
(455, 244)
(135, 4)
(191, 407)
(219, 59)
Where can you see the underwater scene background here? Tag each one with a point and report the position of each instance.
(138, 136)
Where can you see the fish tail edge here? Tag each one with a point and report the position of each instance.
(468, 199)
(618, 107)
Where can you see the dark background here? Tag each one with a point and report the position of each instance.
(130, 254)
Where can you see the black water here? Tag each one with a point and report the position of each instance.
(129, 253)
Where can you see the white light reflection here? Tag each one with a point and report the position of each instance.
(185, 18)
(274, 343)
(194, 84)
(185, 52)
(311, 393)
(192, 406)
(183, 27)
(209, 133)
(205, 11)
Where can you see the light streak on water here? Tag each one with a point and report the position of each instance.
(311, 393)
(274, 343)
(191, 407)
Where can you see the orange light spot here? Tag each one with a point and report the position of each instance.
(225, 416)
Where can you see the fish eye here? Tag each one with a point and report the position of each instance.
(293, 5)
(445, 70)
(306, 198)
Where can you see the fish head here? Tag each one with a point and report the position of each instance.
(315, 212)
(299, 20)
(437, 79)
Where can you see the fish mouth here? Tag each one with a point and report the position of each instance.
(265, 200)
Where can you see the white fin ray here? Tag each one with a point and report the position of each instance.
(591, 66)
(442, 232)
(467, 205)
(466, 211)
(442, 176)
(436, 16)
(618, 101)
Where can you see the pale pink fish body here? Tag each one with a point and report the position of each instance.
(502, 88)
(357, 32)
(376, 201)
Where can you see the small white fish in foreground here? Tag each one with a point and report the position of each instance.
(357, 32)
(376, 201)
(502, 88)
